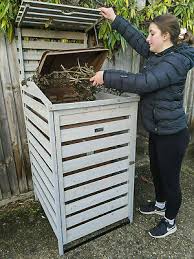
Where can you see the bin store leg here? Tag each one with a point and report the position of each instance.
(35, 196)
(60, 247)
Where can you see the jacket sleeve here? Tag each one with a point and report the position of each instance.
(167, 72)
(135, 38)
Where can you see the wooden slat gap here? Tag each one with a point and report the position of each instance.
(34, 39)
(111, 148)
(37, 114)
(44, 20)
(33, 97)
(96, 205)
(46, 210)
(39, 158)
(65, 8)
(41, 146)
(94, 193)
(43, 15)
(41, 132)
(37, 33)
(94, 152)
(55, 11)
(94, 137)
(95, 166)
(43, 184)
(45, 196)
(96, 179)
(76, 125)
(43, 171)
(86, 221)
(40, 45)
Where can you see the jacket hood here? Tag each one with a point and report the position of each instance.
(187, 51)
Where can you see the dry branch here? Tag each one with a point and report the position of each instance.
(69, 85)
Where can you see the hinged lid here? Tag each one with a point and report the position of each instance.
(52, 60)
(56, 16)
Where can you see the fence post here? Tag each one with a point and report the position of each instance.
(8, 73)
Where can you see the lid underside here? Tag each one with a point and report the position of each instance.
(52, 60)
(56, 16)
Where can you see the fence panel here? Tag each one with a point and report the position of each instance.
(14, 155)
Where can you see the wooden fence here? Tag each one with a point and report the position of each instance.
(15, 173)
(189, 102)
(15, 176)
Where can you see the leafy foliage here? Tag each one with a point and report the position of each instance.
(182, 9)
(126, 9)
(8, 12)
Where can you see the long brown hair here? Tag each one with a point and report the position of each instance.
(169, 23)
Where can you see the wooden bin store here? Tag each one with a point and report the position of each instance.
(82, 154)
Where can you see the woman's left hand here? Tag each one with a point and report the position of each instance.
(97, 79)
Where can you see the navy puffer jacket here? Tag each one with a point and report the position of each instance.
(160, 84)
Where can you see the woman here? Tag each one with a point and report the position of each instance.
(160, 85)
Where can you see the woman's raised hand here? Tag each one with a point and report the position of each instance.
(108, 13)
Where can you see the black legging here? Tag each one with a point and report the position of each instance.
(166, 154)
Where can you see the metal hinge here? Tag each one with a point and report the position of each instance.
(131, 162)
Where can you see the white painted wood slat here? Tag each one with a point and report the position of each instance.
(39, 136)
(42, 164)
(42, 125)
(43, 195)
(29, 75)
(44, 180)
(33, 90)
(52, 34)
(95, 159)
(58, 17)
(34, 55)
(96, 144)
(31, 66)
(94, 115)
(59, 7)
(95, 199)
(96, 224)
(98, 105)
(96, 211)
(95, 186)
(40, 150)
(40, 178)
(44, 206)
(93, 130)
(47, 45)
(43, 20)
(96, 172)
(36, 106)
(57, 24)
